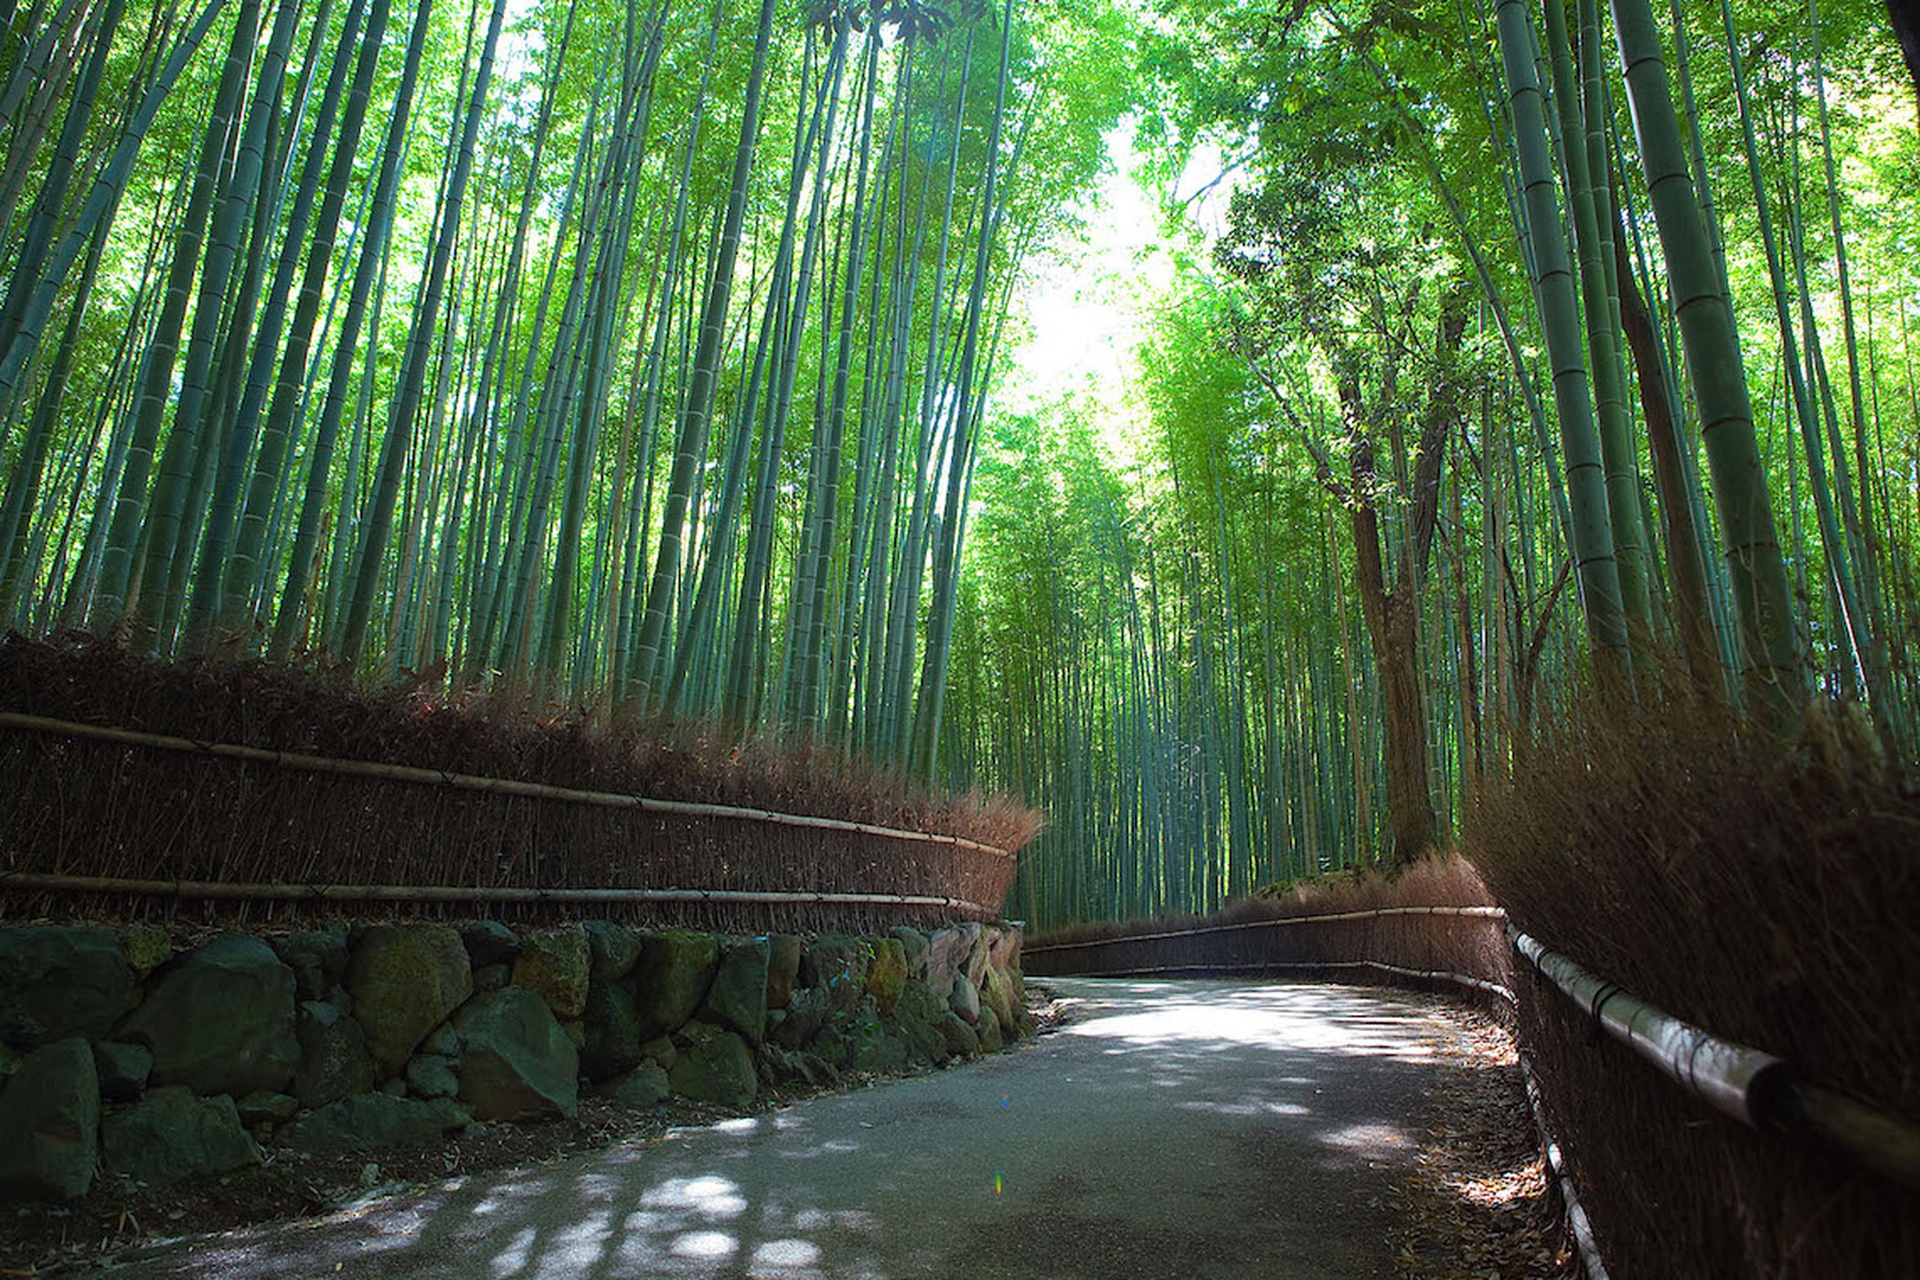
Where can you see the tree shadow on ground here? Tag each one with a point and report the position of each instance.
(1173, 1130)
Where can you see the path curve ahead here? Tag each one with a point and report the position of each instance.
(1190, 1129)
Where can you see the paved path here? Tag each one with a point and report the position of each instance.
(1192, 1129)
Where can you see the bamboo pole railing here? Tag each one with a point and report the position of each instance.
(1731, 1078)
(199, 890)
(469, 782)
(1489, 913)
(1751, 1085)
(1307, 966)
(1584, 1241)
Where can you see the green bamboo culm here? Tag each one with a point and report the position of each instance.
(1603, 336)
(1711, 345)
(1599, 573)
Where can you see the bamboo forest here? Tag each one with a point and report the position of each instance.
(718, 362)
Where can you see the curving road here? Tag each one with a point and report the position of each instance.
(1191, 1129)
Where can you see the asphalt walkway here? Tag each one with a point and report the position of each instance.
(1192, 1129)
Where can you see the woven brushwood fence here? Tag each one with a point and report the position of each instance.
(1445, 945)
(278, 801)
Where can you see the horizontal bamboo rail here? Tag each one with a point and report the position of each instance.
(1733, 1079)
(469, 782)
(216, 890)
(1489, 913)
(1270, 966)
(1751, 1085)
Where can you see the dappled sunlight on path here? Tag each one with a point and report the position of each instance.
(1202, 1129)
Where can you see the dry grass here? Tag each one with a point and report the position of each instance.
(1767, 895)
(97, 809)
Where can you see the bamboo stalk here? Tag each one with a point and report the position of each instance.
(1487, 913)
(469, 782)
(463, 893)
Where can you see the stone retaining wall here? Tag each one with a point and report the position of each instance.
(121, 1051)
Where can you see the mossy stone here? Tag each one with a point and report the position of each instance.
(717, 1068)
(220, 1020)
(676, 968)
(519, 1063)
(57, 981)
(405, 980)
(554, 965)
(49, 1123)
(171, 1135)
(783, 969)
(886, 973)
(641, 1089)
(615, 950)
(738, 996)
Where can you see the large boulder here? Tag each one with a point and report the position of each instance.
(783, 969)
(836, 964)
(996, 993)
(947, 952)
(673, 975)
(916, 946)
(887, 973)
(370, 1121)
(489, 942)
(519, 1064)
(318, 958)
(405, 980)
(979, 955)
(146, 946)
(642, 1089)
(57, 982)
(171, 1135)
(872, 1045)
(615, 950)
(123, 1069)
(554, 965)
(613, 1040)
(333, 1055)
(220, 1020)
(49, 1122)
(717, 1067)
(918, 1015)
(806, 1012)
(1003, 952)
(831, 958)
(964, 999)
(992, 1040)
(738, 997)
(962, 1040)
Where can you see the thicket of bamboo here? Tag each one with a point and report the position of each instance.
(1532, 339)
(633, 356)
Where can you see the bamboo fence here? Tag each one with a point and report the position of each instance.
(105, 812)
